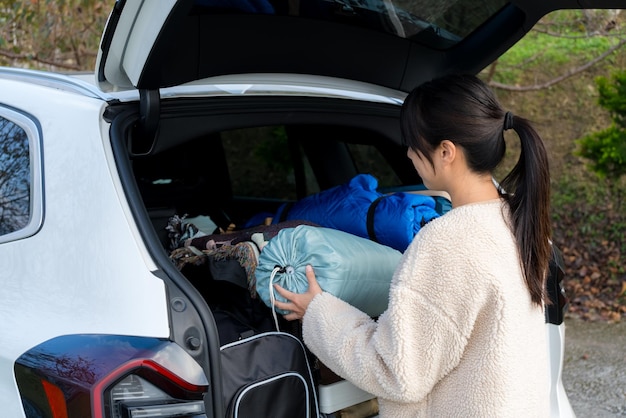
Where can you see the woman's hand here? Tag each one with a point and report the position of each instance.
(297, 303)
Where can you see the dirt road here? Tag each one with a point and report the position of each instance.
(594, 370)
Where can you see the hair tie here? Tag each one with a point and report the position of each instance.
(508, 121)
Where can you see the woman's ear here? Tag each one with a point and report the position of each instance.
(447, 151)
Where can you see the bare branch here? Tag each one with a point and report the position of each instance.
(30, 57)
(560, 78)
(603, 34)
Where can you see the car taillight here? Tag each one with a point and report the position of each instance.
(111, 377)
(135, 397)
(144, 388)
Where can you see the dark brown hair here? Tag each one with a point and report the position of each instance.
(464, 110)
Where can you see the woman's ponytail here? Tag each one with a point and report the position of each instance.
(527, 189)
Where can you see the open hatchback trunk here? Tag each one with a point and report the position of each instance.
(223, 115)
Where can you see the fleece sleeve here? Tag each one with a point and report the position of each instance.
(415, 343)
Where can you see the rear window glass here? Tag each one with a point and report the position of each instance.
(261, 163)
(14, 177)
(369, 160)
(20, 194)
(437, 23)
(266, 162)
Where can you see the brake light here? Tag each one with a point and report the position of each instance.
(56, 400)
(110, 377)
(144, 388)
(135, 397)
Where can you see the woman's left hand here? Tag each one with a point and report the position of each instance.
(297, 303)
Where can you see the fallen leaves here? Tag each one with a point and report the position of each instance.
(595, 291)
(591, 234)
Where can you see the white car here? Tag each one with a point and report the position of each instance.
(205, 115)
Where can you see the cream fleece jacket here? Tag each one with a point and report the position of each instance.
(460, 337)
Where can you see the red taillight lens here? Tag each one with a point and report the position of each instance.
(56, 399)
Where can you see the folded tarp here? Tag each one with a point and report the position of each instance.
(352, 268)
(358, 208)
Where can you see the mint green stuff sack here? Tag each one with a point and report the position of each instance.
(352, 268)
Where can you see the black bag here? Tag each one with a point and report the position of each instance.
(268, 375)
(222, 284)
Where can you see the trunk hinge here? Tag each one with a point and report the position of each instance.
(150, 113)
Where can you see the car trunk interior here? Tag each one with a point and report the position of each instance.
(236, 162)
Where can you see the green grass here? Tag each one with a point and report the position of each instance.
(541, 50)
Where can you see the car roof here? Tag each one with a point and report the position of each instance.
(392, 43)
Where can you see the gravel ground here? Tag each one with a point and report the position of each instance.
(594, 369)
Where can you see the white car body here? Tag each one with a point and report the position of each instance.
(81, 265)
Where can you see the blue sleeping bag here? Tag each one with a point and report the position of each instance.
(358, 208)
(352, 268)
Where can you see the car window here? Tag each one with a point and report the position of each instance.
(439, 24)
(20, 194)
(262, 164)
(369, 160)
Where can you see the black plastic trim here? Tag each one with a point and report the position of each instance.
(191, 324)
(179, 119)
(107, 37)
(149, 110)
(555, 311)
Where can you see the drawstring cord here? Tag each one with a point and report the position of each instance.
(277, 269)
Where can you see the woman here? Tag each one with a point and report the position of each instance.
(464, 331)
